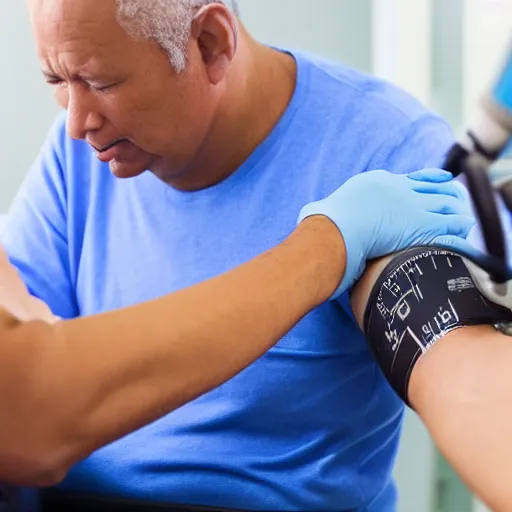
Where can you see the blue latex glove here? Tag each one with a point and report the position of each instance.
(379, 213)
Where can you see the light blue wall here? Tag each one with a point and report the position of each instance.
(415, 468)
(447, 59)
(339, 29)
(26, 106)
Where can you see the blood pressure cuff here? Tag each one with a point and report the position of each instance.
(423, 294)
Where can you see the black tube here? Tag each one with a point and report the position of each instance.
(482, 193)
(455, 158)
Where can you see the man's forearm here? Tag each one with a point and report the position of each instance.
(462, 390)
(86, 382)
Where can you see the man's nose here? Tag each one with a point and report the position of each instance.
(82, 118)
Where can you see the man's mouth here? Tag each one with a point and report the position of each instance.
(108, 146)
(111, 151)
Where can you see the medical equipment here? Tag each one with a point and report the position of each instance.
(473, 155)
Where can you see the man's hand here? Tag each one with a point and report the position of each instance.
(16, 299)
(379, 213)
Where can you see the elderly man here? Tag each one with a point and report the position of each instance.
(236, 137)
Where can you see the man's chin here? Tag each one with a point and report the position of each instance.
(126, 169)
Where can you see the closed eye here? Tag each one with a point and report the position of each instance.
(104, 88)
(55, 81)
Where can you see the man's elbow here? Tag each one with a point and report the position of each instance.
(27, 465)
(34, 433)
(44, 475)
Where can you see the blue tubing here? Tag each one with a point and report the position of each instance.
(502, 93)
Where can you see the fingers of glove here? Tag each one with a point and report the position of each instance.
(446, 205)
(431, 175)
(458, 245)
(461, 191)
(454, 225)
(451, 188)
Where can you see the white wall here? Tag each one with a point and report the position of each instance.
(402, 44)
(487, 37)
(26, 106)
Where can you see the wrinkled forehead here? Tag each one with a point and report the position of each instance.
(87, 24)
(47, 15)
(82, 38)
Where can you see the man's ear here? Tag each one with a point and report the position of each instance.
(216, 31)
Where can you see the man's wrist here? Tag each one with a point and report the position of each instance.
(327, 254)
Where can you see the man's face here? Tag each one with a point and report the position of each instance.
(121, 94)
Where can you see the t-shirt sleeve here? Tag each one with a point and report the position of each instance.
(35, 234)
(416, 145)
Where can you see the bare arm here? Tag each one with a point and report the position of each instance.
(462, 391)
(73, 386)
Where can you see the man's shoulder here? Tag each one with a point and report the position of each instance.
(366, 99)
(368, 122)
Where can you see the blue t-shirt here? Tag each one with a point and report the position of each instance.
(312, 425)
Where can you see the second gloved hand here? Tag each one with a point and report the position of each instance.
(379, 213)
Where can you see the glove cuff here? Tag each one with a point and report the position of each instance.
(355, 258)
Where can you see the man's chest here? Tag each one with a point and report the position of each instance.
(126, 260)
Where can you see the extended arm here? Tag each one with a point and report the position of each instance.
(76, 385)
(462, 390)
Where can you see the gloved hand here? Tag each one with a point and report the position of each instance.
(379, 213)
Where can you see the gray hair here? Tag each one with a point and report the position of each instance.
(167, 22)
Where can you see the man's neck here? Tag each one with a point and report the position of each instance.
(255, 104)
